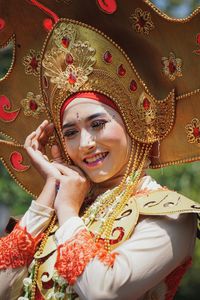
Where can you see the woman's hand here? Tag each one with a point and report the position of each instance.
(35, 146)
(74, 187)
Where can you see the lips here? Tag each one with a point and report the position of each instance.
(93, 160)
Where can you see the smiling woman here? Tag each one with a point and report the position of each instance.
(98, 143)
(101, 228)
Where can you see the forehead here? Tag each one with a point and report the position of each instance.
(85, 107)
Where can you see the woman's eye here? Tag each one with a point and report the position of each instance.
(69, 133)
(99, 124)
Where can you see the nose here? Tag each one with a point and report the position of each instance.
(87, 141)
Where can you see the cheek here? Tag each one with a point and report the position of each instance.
(115, 136)
(72, 148)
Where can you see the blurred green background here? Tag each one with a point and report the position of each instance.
(184, 179)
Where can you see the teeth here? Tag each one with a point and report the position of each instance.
(95, 158)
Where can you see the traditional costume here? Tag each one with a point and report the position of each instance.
(136, 240)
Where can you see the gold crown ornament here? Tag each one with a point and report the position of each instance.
(145, 61)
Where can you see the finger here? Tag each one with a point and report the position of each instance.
(39, 131)
(69, 170)
(28, 141)
(56, 154)
(46, 134)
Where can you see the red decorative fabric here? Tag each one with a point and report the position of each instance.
(108, 6)
(18, 248)
(76, 253)
(5, 113)
(173, 280)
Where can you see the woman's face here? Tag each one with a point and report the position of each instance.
(96, 139)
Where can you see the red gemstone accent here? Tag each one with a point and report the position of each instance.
(133, 86)
(172, 67)
(48, 24)
(65, 42)
(72, 78)
(69, 59)
(107, 57)
(33, 105)
(146, 104)
(198, 38)
(196, 132)
(34, 63)
(121, 70)
(141, 22)
(2, 23)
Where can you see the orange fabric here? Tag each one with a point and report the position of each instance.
(173, 280)
(76, 253)
(18, 248)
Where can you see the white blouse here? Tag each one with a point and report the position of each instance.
(158, 245)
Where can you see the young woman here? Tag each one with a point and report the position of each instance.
(101, 228)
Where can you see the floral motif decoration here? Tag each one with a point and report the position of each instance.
(17, 249)
(197, 51)
(32, 62)
(69, 62)
(141, 21)
(172, 66)
(193, 131)
(75, 254)
(33, 105)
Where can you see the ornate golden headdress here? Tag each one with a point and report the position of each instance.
(152, 76)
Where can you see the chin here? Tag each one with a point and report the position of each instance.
(100, 176)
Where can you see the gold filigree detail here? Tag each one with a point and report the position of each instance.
(193, 132)
(141, 21)
(172, 66)
(33, 105)
(32, 62)
(64, 36)
(75, 62)
(146, 109)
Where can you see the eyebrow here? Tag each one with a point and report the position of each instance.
(69, 124)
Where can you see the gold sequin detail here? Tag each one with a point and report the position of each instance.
(33, 105)
(193, 132)
(32, 62)
(172, 66)
(141, 21)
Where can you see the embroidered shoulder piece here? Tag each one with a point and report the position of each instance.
(163, 202)
(18, 248)
(173, 280)
(76, 253)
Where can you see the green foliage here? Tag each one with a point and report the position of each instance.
(12, 195)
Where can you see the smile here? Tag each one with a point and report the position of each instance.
(96, 159)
